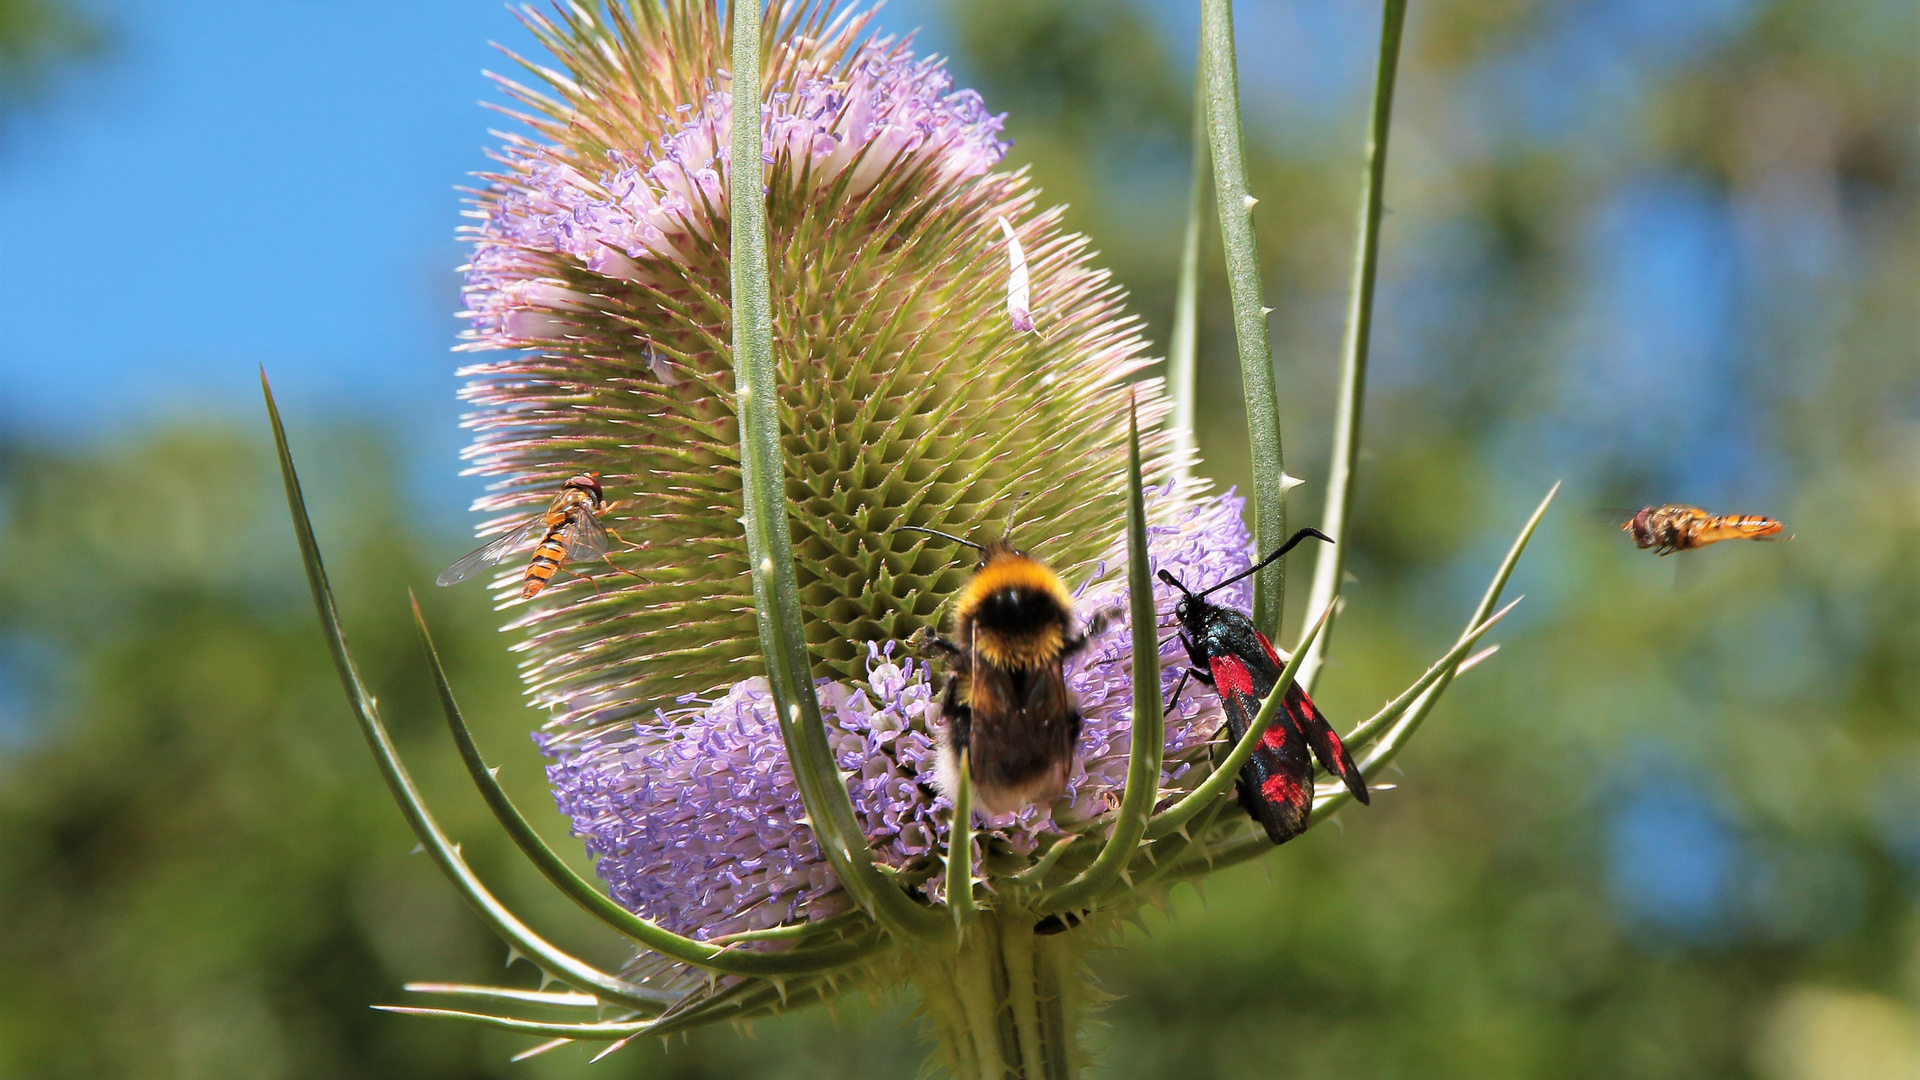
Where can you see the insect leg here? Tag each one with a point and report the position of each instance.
(624, 540)
(929, 645)
(1099, 621)
(607, 558)
(1185, 674)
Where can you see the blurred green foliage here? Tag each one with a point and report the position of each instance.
(35, 37)
(1664, 834)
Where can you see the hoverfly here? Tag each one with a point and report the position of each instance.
(1674, 527)
(568, 531)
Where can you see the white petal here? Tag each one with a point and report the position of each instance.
(1017, 285)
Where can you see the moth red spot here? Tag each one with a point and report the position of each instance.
(1275, 737)
(1230, 676)
(1281, 788)
(1342, 762)
(1272, 654)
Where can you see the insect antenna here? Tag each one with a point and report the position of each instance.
(1013, 515)
(938, 533)
(1175, 582)
(1255, 568)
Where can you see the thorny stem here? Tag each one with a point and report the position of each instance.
(1003, 1006)
(1332, 561)
(1235, 205)
(776, 588)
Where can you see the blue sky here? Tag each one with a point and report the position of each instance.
(235, 184)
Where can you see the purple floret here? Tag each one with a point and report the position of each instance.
(694, 820)
(882, 110)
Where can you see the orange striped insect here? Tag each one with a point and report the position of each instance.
(568, 531)
(1674, 527)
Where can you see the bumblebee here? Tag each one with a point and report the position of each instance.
(1005, 701)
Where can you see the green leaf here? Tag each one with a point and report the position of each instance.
(1390, 744)
(597, 1031)
(1417, 712)
(505, 993)
(960, 850)
(568, 969)
(776, 591)
(596, 903)
(1440, 669)
(1149, 740)
(1235, 205)
(1332, 562)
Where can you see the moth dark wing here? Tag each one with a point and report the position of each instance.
(492, 553)
(1276, 783)
(1325, 742)
(586, 538)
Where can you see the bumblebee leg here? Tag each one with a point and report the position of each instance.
(1101, 619)
(930, 645)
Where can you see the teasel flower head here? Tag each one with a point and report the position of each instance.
(913, 395)
(910, 395)
(749, 746)
(694, 819)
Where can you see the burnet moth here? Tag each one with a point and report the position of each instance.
(1229, 654)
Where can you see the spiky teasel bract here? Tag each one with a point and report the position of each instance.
(909, 395)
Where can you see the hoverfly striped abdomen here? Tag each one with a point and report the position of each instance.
(568, 531)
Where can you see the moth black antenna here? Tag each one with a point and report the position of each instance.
(938, 533)
(1175, 582)
(1284, 548)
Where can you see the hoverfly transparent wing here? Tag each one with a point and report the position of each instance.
(475, 561)
(1686, 572)
(586, 537)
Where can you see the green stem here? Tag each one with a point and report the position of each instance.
(1332, 561)
(1004, 1005)
(1235, 205)
(776, 588)
(711, 956)
(1148, 730)
(1183, 350)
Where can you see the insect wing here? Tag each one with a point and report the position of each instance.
(1276, 783)
(1309, 720)
(586, 538)
(1325, 741)
(496, 551)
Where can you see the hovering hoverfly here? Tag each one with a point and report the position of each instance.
(1674, 527)
(568, 531)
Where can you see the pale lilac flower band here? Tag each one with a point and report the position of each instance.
(694, 820)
